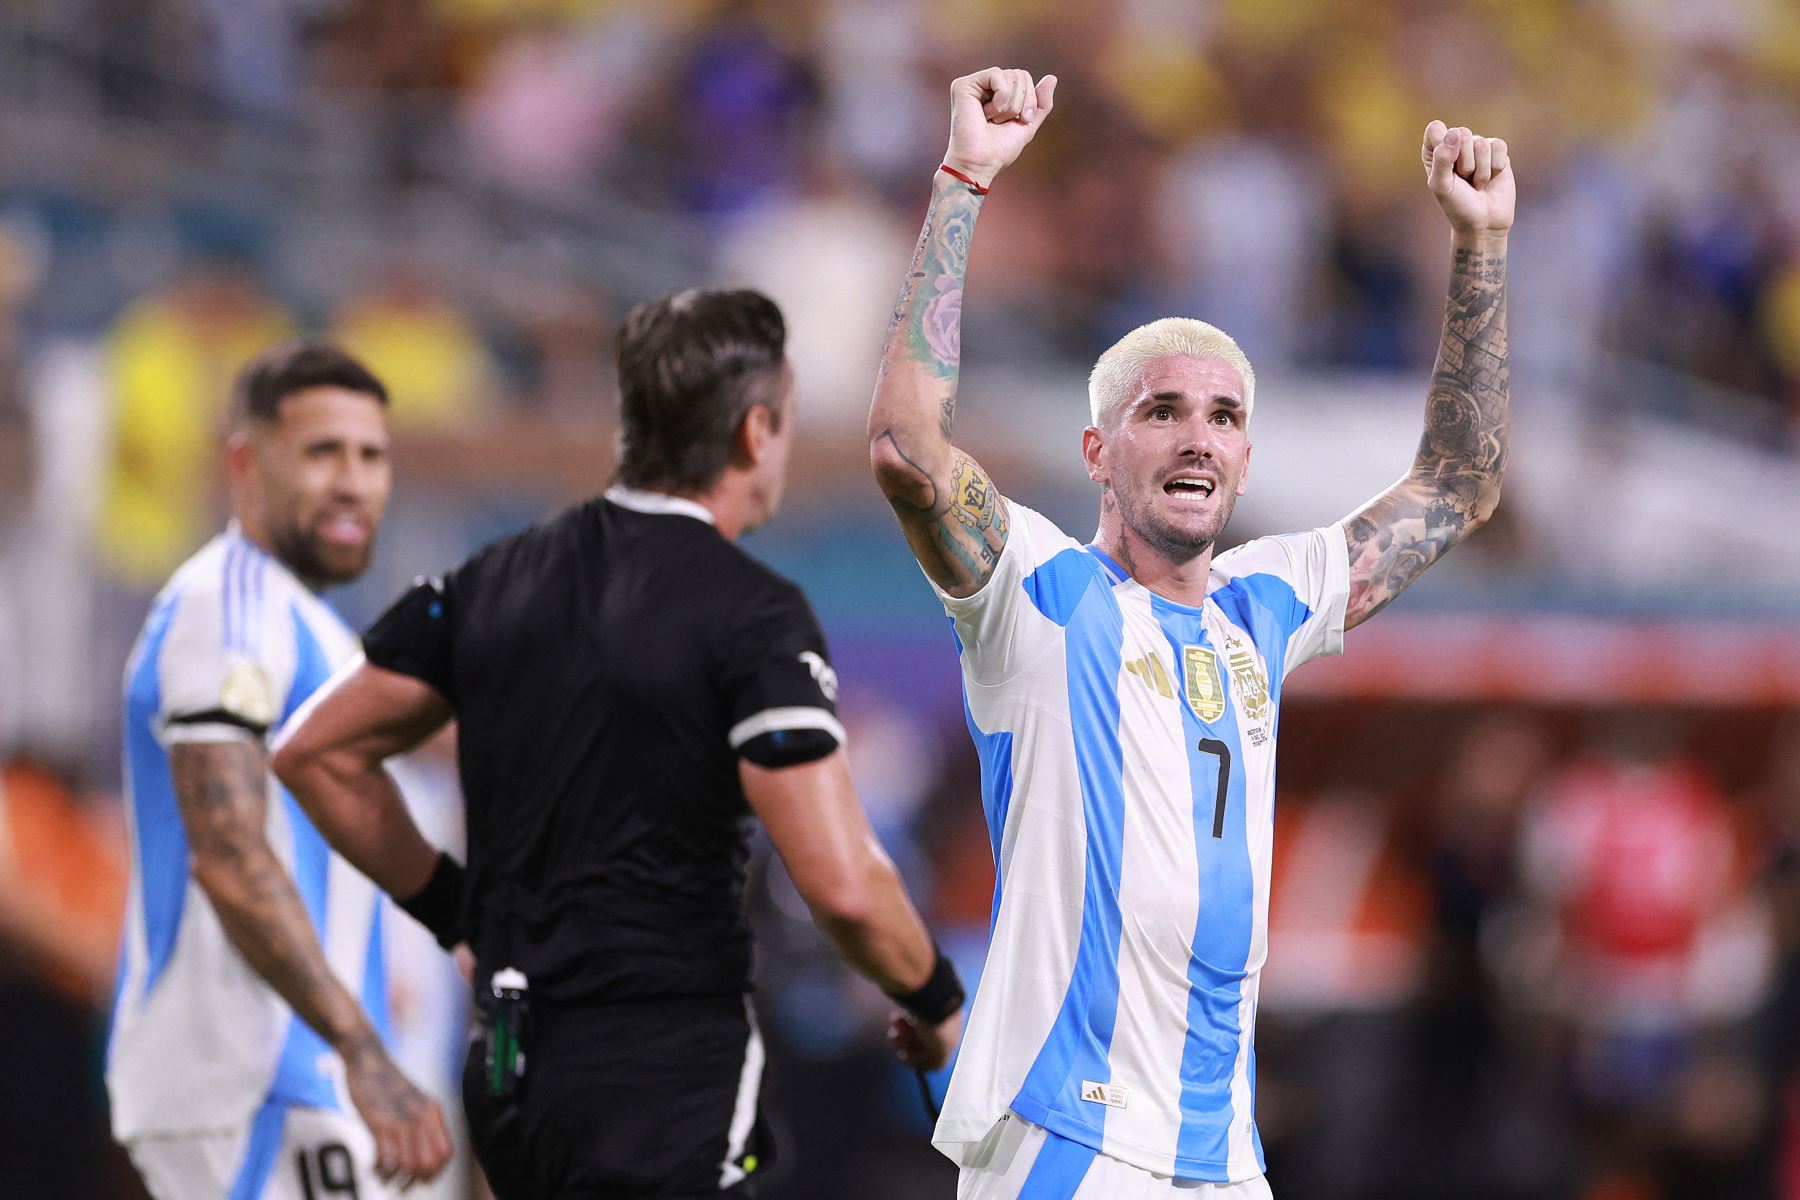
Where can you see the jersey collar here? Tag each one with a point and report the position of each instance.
(1119, 574)
(658, 503)
(234, 532)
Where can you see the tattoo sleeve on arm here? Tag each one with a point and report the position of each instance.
(221, 791)
(953, 517)
(1454, 483)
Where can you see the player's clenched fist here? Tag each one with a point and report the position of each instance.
(993, 113)
(1471, 177)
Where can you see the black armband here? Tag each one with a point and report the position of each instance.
(438, 905)
(788, 747)
(220, 716)
(939, 998)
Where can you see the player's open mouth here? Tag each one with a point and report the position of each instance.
(349, 531)
(1189, 486)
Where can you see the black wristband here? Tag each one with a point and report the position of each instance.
(438, 905)
(938, 998)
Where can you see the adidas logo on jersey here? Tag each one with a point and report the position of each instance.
(1109, 1094)
(1152, 674)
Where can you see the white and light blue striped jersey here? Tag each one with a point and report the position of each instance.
(233, 645)
(1127, 748)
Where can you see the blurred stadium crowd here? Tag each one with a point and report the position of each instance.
(1537, 912)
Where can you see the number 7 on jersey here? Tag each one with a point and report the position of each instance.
(1222, 752)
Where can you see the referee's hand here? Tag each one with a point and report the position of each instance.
(925, 1047)
(412, 1144)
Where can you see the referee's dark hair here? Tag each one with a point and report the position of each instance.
(297, 366)
(691, 366)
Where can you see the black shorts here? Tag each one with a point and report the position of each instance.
(642, 1101)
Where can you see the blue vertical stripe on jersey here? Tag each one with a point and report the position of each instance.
(1266, 608)
(299, 1079)
(297, 1076)
(162, 846)
(312, 670)
(266, 1132)
(1058, 1169)
(374, 980)
(1227, 912)
(995, 752)
(1071, 590)
(1058, 587)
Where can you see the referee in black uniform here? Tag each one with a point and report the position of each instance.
(629, 688)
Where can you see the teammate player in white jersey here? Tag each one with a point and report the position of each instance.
(1123, 694)
(251, 996)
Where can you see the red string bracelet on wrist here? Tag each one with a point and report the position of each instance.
(956, 174)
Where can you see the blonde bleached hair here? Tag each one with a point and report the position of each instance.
(1114, 378)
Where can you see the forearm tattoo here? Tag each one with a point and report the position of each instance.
(926, 327)
(1455, 478)
(379, 1089)
(221, 793)
(955, 519)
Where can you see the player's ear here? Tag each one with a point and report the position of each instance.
(243, 480)
(1244, 479)
(754, 433)
(1093, 441)
(240, 458)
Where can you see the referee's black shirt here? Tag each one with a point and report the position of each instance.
(608, 668)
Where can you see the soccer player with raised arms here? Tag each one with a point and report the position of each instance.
(246, 1058)
(1123, 694)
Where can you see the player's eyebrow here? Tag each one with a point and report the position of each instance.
(1224, 399)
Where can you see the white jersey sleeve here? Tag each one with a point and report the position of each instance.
(1316, 566)
(229, 660)
(996, 640)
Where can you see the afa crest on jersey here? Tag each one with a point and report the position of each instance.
(1251, 687)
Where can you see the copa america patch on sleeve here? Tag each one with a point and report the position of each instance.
(249, 693)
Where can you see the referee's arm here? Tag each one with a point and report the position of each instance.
(331, 758)
(856, 896)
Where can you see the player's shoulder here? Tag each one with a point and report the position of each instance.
(204, 574)
(229, 640)
(1289, 577)
(1043, 537)
(1055, 568)
(1280, 555)
(1263, 574)
(1037, 550)
(232, 589)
